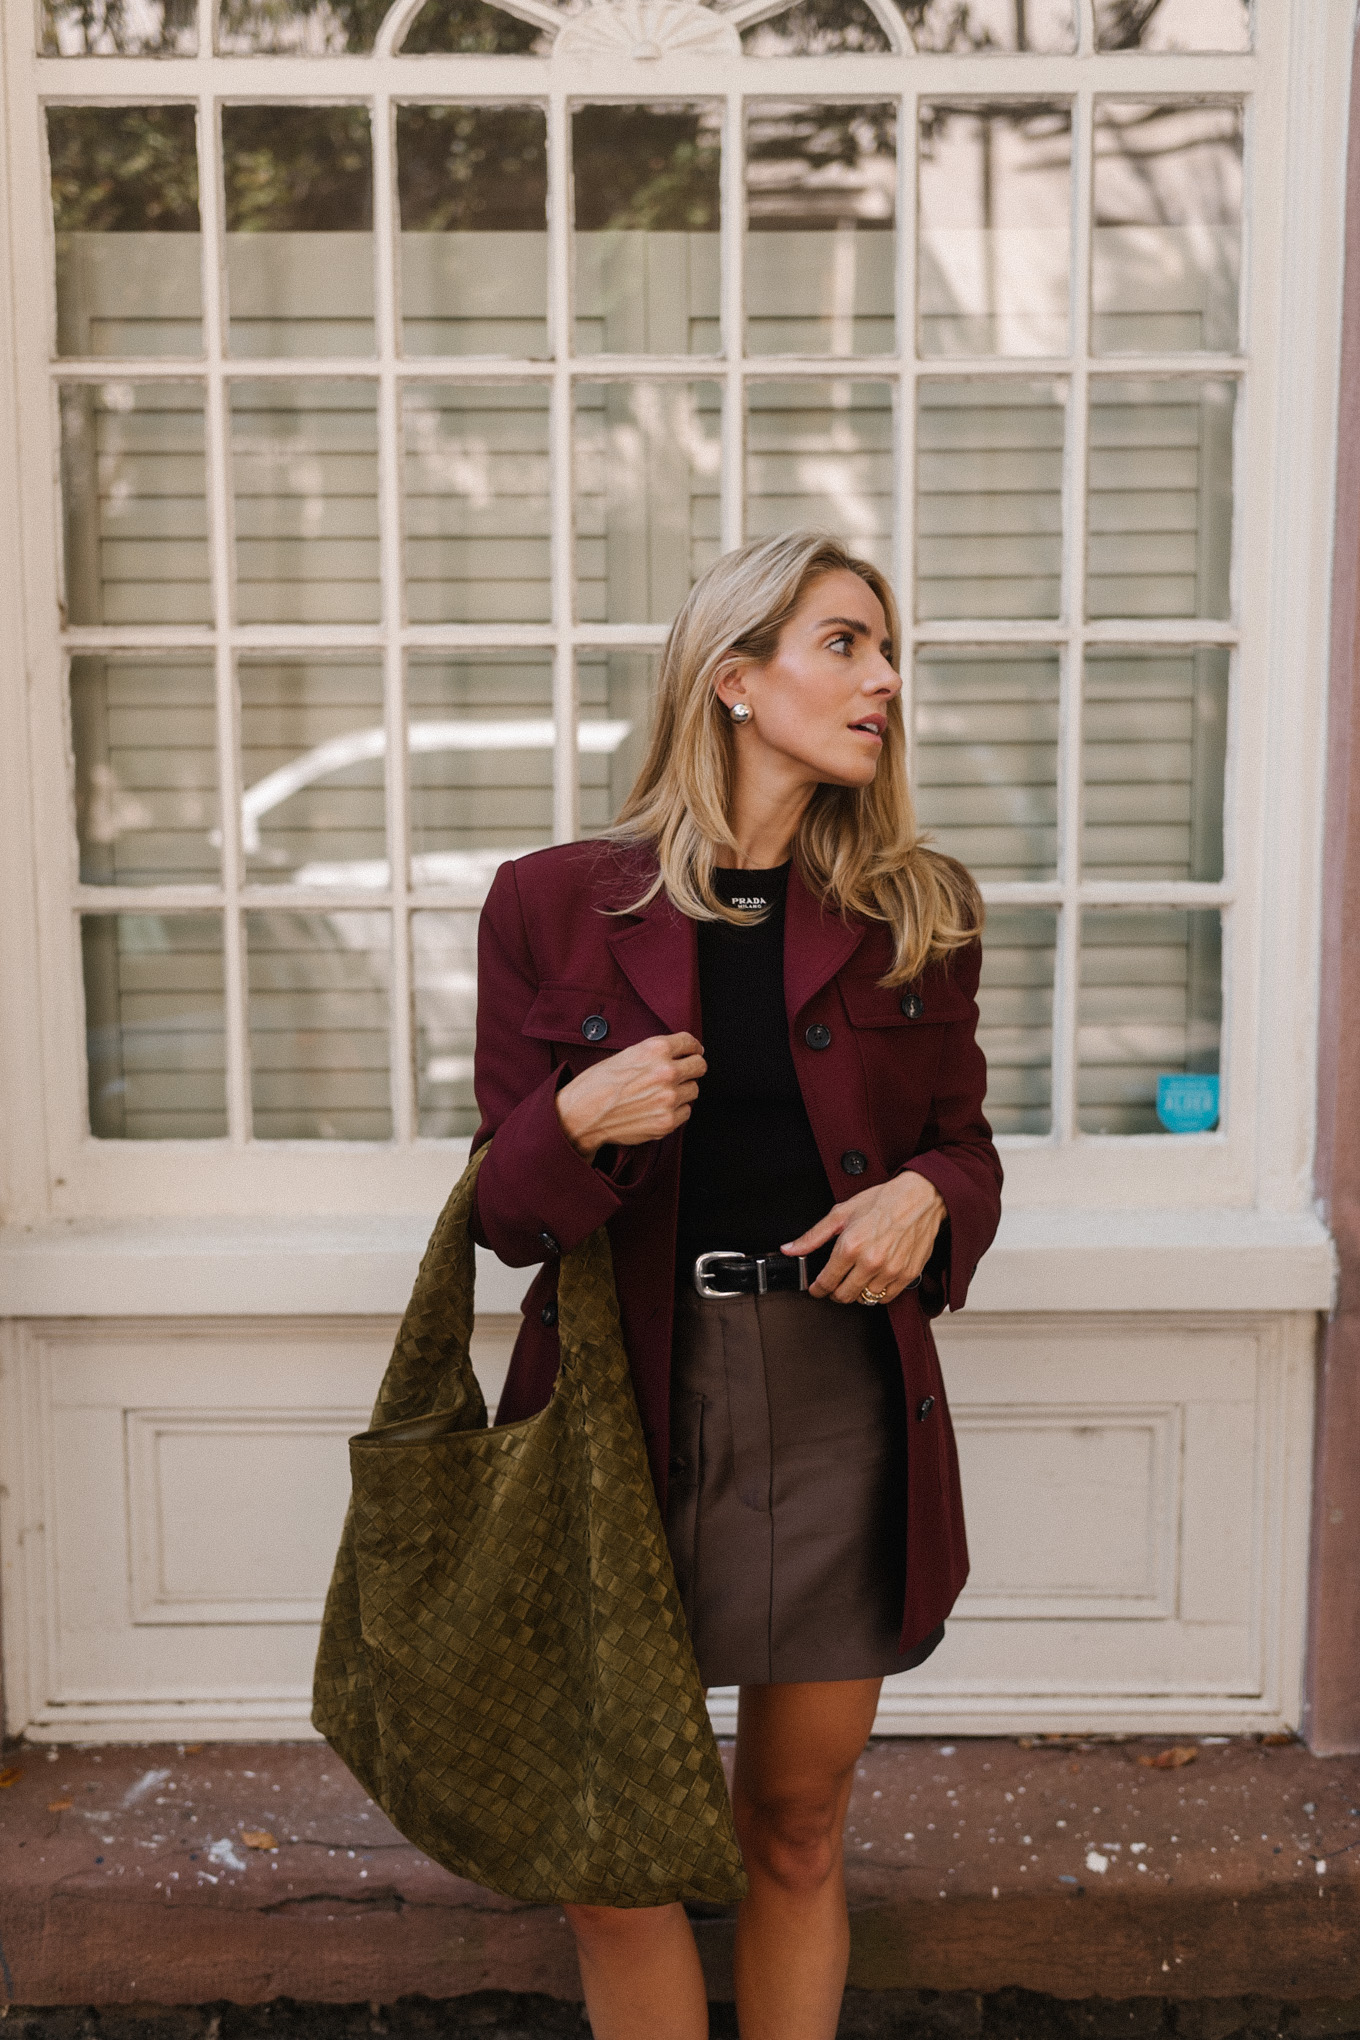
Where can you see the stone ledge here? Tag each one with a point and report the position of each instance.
(1068, 1869)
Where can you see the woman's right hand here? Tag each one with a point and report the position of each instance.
(640, 1094)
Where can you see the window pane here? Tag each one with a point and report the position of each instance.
(473, 188)
(821, 453)
(154, 1024)
(816, 28)
(444, 972)
(646, 196)
(478, 516)
(1166, 248)
(136, 521)
(1155, 731)
(305, 467)
(994, 239)
(989, 499)
(471, 28)
(144, 735)
(480, 738)
(986, 756)
(821, 206)
(1173, 25)
(299, 190)
(312, 766)
(616, 691)
(1149, 1004)
(648, 474)
(318, 1025)
(1159, 516)
(312, 28)
(1015, 1027)
(112, 28)
(125, 215)
(944, 25)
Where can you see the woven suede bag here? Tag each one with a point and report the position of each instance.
(504, 1662)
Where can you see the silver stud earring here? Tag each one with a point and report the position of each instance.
(741, 711)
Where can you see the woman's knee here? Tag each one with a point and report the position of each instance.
(795, 1840)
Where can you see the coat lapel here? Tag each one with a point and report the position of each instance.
(659, 956)
(817, 943)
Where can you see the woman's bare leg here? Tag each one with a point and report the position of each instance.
(640, 1972)
(797, 1747)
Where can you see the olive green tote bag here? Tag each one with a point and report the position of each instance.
(504, 1661)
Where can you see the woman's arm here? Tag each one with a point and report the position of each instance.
(937, 1216)
(568, 1151)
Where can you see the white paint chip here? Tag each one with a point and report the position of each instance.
(1095, 1861)
(224, 1852)
(148, 1782)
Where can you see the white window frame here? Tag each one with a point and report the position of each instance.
(1294, 87)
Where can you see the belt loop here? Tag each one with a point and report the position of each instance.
(802, 1273)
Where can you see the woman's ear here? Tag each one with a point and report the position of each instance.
(730, 684)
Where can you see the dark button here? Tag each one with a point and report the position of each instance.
(549, 1313)
(818, 1036)
(545, 1239)
(924, 1408)
(594, 1027)
(679, 1463)
(912, 1005)
(853, 1162)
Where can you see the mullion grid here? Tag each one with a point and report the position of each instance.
(1067, 892)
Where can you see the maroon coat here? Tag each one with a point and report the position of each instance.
(904, 1088)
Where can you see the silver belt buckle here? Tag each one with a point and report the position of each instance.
(711, 1260)
(716, 1255)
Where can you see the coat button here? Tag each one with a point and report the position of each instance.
(912, 1005)
(818, 1036)
(679, 1463)
(545, 1239)
(853, 1162)
(594, 1027)
(924, 1408)
(548, 1314)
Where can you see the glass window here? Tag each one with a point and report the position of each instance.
(472, 183)
(645, 183)
(477, 503)
(305, 479)
(454, 528)
(821, 209)
(299, 217)
(115, 28)
(989, 470)
(994, 248)
(1173, 24)
(1149, 1006)
(133, 480)
(1166, 248)
(155, 1026)
(647, 470)
(125, 216)
(144, 735)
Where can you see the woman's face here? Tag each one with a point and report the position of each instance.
(820, 705)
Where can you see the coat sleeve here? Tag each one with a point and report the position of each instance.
(956, 1153)
(536, 1197)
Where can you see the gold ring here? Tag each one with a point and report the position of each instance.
(872, 1295)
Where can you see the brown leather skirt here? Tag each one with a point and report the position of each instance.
(787, 1509)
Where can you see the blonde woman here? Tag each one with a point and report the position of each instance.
(740, 1032)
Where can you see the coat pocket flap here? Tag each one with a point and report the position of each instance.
(561, 1013)
(930, 1004)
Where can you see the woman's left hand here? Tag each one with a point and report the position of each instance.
(885, 1239)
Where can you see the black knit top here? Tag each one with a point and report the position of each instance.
(750, 1174)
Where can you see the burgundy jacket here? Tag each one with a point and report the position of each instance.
(901, 1080)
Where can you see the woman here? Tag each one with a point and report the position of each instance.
(763, 894)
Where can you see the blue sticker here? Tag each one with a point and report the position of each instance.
(1188, 1104)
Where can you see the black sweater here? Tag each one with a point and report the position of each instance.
(750, 1174)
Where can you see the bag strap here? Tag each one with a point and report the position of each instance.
(430, 1372)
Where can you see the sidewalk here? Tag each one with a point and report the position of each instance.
(181, 1876)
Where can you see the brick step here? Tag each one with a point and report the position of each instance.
(1073, 1870)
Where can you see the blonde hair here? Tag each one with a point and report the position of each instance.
(857, 848)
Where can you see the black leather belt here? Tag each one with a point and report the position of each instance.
(729, 1274)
